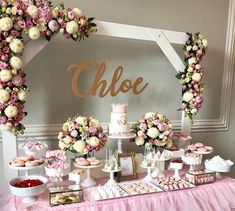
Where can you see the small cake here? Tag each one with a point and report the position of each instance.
(192, 159)
(93, 161)
(82, 162)
(27, 161)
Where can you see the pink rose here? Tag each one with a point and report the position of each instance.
(143, 126)
(53, 25)
(17, 80)
(155, 122)
(71, 15)
(92, 130)
(199, 99)
(74, 133)
(3, 120)
(21, 24)
(161, 127)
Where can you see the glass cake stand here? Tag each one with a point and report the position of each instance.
(120, 138)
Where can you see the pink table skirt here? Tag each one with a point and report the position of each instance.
(217, 196)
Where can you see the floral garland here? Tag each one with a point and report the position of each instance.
(82, 135)
(35, 18)
(191, 78)
(154, 130)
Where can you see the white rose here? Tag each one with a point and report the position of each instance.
(5, 75)
(93, 141)
(66, 126)
(196, 77)
(190, 69)
(81, 120)
(160, 116)
(149, 115)
(16, 63)
(11, 111)
(16, 45)
(95, 123)
(32, 11)
(153, 132)
(4, 95)
(67, 139)
(139, 141)
(194, 111)
(189, 48)
(34, 33)
(22, 95)
(161, 136)
(62, 145)
(192, 60)
(77, 12)
(205, 42)
(85, 151)
(72, 27)
(79, 146)
(188, 96)
(6, 24)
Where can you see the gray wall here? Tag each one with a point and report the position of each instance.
(52, 101)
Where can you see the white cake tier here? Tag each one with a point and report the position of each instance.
(118, 129)
(118, 118)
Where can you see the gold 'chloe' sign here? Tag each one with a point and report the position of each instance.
(98, 83)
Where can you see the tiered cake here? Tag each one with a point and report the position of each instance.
(119, 123)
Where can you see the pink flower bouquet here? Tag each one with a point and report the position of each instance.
(82, 135)
(154, 130)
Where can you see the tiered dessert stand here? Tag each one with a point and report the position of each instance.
(26, 169)
(88, 181)
(148, 177)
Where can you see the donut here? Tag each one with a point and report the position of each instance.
(201, 149)
(82, 162)
(199, 145)
(209, 148)
(31, 163)
(93, 161)
(17, 163)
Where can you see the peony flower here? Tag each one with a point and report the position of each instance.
(67, 139)
(3, 120)
(53, 25)
(143, 126)
(71, 15)
(141, 134)
(16, 45)
(192, 60)
(72, 27)
(16, 63)
(153, 132)
(5, 75)
(79, 146)
(62, 145)
(149, 115)
(205, 43)
(11, 111)
(22, 95)
(196, 77)
(188, 96)
(139, 141)
(4, 95)
(93, 141)
(95, 122)
(81, 120)
(32, 11)
(6, 24)
(34, 33)
(77, 12)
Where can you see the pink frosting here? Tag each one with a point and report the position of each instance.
(56, 153)
(58, 165)
(119, 108)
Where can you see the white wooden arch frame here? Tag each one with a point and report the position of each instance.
(164, 40)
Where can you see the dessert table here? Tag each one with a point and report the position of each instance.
(219, 195)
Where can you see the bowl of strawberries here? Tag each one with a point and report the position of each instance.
(28, 187)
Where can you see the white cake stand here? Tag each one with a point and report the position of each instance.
(26, 169)
(111, 180)
(148, 177)
(89, 181)
(120, 138)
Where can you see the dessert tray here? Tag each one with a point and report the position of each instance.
(171, 183)
(139, 187)
(105, 192)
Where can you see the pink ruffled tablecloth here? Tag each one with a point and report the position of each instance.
(217, 196)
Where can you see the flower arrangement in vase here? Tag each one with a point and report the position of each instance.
(82, 135)
(154, 130)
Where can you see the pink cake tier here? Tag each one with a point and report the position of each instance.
(119, 108)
